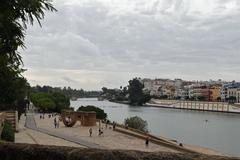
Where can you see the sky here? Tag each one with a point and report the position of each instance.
(94, 43)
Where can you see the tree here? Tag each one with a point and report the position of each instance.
(104, 89)
(50, 101)
(100, 114)
(136, 94)
(137, 123)
(232, 99)
(14, 17)
(61, 101)
(43, 101)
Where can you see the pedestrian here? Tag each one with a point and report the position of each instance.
(147, 141)
(40, 116)
(126, 126)
(90, 132)
(114, 125)
(106, 124)
(55, 122)
(99, 132)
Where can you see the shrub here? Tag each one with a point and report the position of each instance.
(100, 114)
(137, 123)
(7, 132)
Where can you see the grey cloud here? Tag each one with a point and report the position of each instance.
(144, 38)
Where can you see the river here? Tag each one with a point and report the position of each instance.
(221, 132)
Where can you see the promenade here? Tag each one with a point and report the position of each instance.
(30, 136)
(78, 136)
(42, 131)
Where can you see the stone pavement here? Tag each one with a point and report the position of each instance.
(31, 124)
(109, 139)
(29, 136)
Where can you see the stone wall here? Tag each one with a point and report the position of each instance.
(11, 151)
(88, 119)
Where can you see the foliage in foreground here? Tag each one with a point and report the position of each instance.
(137, 123)
(8, 132)
(100, 114)
(50, 101)
(14, 17)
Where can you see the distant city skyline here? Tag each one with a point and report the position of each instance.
(90, 44)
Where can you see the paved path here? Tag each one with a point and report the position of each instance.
(31, 124)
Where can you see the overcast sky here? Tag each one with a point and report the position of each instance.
(94, 43)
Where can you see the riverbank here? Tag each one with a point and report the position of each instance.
(195, 105)
(110, 139)
(220, 132)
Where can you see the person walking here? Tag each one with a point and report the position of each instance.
(106, 124)
(55, 122)
(99, 131)
(147, 141)
(114, 125)
(90, 132)
(58, 122)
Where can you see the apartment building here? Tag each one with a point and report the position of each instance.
(215, 93)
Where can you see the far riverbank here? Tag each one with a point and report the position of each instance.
(221, 107)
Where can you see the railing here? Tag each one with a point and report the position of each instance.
(195, 105)
(202, 105)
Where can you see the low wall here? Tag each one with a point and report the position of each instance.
(154, 139)
(12, 117)
(158, 142)
(11, 151)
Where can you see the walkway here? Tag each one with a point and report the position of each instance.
(31, 124)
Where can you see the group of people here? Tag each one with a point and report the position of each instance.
(55, 121)
(100, 131)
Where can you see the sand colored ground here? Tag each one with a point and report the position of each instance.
(33, 137)
(110, 139)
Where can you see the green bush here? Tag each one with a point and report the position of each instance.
(100, 114)
(137, 123)
(8, 132)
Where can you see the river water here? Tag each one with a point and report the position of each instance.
(221, 132)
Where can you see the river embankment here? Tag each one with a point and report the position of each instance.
(219, 132)
(195, 105)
